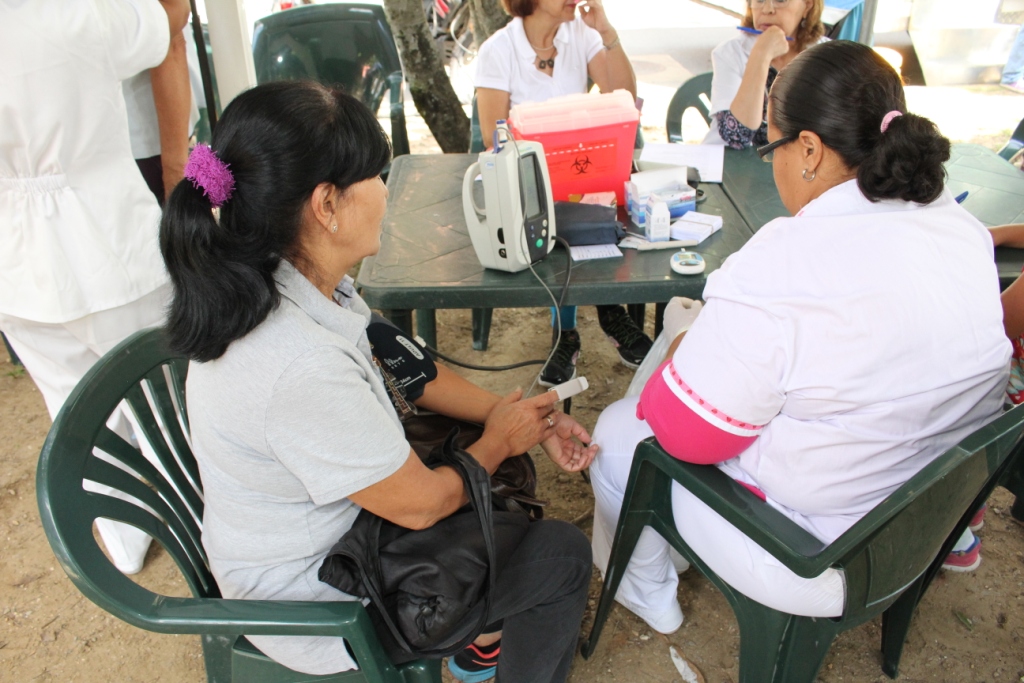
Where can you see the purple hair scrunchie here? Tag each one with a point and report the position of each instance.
(209, 174)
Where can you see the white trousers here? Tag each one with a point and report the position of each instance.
(57, 356)
(651, 582)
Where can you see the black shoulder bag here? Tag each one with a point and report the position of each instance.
(429, 590)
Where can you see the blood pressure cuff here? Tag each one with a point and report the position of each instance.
(408, 364)
(582, 224)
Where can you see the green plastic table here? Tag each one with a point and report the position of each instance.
(426, 259)
(996, 193)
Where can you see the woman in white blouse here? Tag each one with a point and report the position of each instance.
(544, 52)
(745, 66)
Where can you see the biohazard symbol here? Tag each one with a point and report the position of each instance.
(582, 164)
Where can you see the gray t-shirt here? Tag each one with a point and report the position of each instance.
(291, 420)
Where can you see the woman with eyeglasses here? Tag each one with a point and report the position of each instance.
(773, 33)
(839, 351)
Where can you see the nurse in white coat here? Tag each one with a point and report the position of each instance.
(838, 353)
(80, 267)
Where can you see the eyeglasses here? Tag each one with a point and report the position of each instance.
(766, 152)
(762, 3)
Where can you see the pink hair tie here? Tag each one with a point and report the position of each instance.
(887, 119)
(209, 174)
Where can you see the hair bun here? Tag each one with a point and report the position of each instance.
(907, 162)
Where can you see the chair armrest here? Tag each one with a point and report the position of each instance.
(786, 541)
(217, 616)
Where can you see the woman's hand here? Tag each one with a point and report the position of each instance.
(519, 424)
(595, 17)
(680, 314)
(772, 43)
(569, 446)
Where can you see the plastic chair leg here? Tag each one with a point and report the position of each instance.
(217, 657)
(422, 671)
(626, 536)
(895, 627)
(779, 648)
(10, 351)
(639, 509)
(481, 327)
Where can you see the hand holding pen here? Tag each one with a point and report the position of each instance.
(755, 32)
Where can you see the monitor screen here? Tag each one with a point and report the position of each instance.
(532, 192)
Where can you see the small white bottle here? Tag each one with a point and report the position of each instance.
(658, 227)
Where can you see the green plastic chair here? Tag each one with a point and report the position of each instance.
(888, 557)
(696, 93)
(1015, 143)
(339, 44)
(150, 378)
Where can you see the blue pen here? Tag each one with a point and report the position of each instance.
(961, 197)
(753, 31)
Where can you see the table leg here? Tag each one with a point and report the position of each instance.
(426, 325)
(401, 317)
(481, 327)
(659, 317)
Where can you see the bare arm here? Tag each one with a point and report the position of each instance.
(491, 105)
(748, 104)
(416, 497)
(172, 96)
(1011, 235)
(1013, 309)
(610, 68)
(452, 395)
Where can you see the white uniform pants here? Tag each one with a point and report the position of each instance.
(57, 356)
(650, 582)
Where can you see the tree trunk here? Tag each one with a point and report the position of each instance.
(432, 92)
(488, 17)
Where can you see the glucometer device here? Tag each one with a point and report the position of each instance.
(567, 390)
(516, 226)
(687, 263)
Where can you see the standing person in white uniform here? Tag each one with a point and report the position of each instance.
(547, 51)
(826, 367)
(80, 267)
(746, 66)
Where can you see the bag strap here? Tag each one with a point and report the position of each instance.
(478, 487)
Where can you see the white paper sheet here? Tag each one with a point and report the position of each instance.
(594, 251)
(708, 159)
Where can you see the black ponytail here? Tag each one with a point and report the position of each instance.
(280, 140)
(842, 91)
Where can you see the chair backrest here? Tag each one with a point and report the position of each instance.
(1015, 143)
(894, 544)
(344, 45)
(696, 93)
(150, 380)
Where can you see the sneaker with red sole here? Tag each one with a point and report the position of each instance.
(475, 663)
(964, 560)
(978, 520)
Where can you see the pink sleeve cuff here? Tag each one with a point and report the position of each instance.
(687, 426)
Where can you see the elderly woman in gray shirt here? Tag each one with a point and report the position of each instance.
(291, 423)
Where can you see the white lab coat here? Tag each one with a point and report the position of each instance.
(867, 337)
(78, 226)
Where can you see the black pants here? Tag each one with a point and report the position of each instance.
(540, 595)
